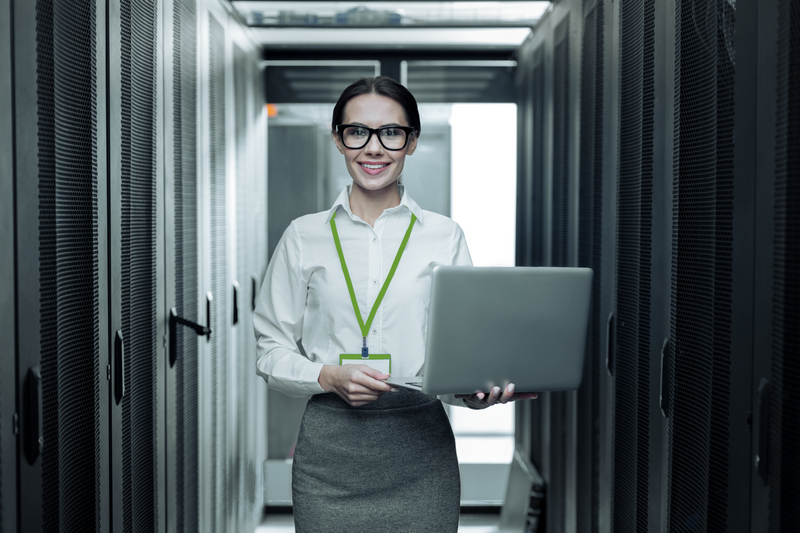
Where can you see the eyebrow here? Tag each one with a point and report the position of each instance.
(383, 126)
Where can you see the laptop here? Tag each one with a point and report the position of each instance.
(492, 326)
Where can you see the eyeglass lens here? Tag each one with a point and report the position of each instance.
(355, 137)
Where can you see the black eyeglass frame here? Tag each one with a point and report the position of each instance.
(407, 129)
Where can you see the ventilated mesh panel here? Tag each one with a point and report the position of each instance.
(184, 94)
(784, 469)
(246, 234)
(702, 260)
(590, 235)
(48, 279)
(138, 43)
(76, 255)
(561, 155)
(66, 63)
(536, 250)
(634, 233)
(219, 270)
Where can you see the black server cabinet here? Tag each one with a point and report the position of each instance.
(182, 266)
(8, 322)
(784, 421)
(592, 243)
(60, 197)
(776, 379)
(136, 266)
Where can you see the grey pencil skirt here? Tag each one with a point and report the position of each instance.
(387, 466)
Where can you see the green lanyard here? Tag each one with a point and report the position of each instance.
(365, 327)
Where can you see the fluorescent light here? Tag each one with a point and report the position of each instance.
(392, 38)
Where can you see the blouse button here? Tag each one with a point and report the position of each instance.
(374, 281)
(374, 331)
(374, 239)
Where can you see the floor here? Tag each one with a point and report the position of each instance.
(468, 523)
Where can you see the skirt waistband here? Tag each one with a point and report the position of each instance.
(391, 400)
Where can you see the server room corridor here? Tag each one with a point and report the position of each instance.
(153, 152)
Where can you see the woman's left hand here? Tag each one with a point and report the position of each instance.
(481, 400)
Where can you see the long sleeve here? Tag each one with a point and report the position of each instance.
(459, 252)
(278, 322)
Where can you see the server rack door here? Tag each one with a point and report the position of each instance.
(561, 239)
(634, 231)
(59, 132)
(243, 504)
(182, 264)
(700, 340)
(608, 256)
(590, 248)
(215, 278)
(784, 422)
(767, 114)
(137, 275)
(8, 321)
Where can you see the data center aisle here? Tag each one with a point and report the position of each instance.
(468, 523)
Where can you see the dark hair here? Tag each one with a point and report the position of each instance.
(383, 86)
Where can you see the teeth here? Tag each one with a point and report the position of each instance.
(373, 167)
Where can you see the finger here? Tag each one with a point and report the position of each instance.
(494, 396)
(507, 394)
(374, 379)
(373, 384)
(373, 373)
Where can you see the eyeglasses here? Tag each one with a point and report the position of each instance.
(356, 137)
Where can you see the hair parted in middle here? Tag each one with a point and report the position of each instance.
(382, 86)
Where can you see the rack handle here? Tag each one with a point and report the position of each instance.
(33, 436)
(119, 366)
(235, 302)
(174, 320)
(610, 344)
(666, 355)
(762, 452)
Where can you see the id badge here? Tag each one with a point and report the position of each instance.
(382, 362)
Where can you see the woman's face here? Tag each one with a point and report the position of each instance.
(373, 167)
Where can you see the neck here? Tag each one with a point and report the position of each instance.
(369, 205)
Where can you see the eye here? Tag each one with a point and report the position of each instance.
(356, 132)
(391, 132)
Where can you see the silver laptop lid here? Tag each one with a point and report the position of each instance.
(494, 326)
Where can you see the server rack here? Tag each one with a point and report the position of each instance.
(692, 98)
(105, 226)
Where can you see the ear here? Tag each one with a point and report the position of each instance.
(412, 145)
(338, 142)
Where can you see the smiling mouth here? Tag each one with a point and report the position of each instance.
(371, 166)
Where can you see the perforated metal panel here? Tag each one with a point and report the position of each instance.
(138, 45)
(246, 237)
(219, 274)
(590, 232)
(634, 235)
(66, 61)
(702, 268)
(184, 93)
(784, 463)
(561, 155)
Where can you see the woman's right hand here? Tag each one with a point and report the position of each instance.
(356, 384)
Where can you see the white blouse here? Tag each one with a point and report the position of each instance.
(304, 299)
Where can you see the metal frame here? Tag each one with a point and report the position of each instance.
(27, 231)
(762, 181)
(8, 316)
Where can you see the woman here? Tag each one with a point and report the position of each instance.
(368, 457)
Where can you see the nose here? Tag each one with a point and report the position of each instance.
(374, 145)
